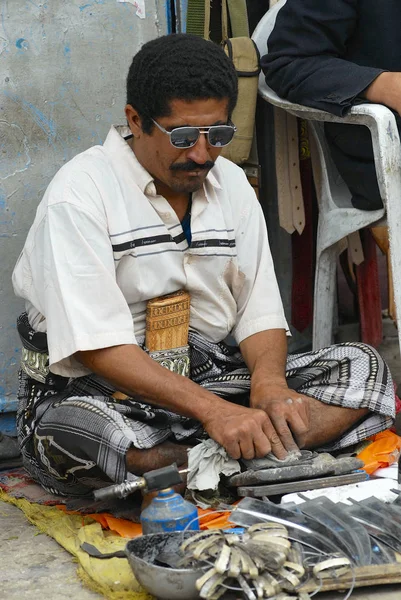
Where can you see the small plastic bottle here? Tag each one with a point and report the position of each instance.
(168, 511)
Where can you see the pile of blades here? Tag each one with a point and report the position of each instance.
(261, 563)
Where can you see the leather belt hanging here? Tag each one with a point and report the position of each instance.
(294, 198)
(303, 242)
(289, 191)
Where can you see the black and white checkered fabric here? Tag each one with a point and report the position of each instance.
(74, 435)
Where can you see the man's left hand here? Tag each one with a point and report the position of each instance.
(287, 410)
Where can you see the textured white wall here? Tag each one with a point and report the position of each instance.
(63, 65)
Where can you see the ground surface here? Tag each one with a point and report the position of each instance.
(33, 566)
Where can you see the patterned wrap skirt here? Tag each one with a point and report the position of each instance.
(74, 435)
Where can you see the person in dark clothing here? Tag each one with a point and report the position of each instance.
(331, 55)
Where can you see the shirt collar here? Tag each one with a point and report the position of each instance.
(115, 143)
(115, 140)
(212, 179)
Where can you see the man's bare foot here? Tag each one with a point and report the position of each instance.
(141, 461)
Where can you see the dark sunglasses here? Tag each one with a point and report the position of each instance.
(186, 137)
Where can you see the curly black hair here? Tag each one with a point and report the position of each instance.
(178, 67)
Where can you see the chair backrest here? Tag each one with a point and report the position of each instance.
(260, 37)
(265, 27)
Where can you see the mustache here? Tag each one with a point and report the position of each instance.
(192, 166)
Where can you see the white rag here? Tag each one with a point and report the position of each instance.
(206, 462)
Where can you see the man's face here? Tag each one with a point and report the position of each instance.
(179, 170)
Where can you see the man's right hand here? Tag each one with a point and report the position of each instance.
(244, 432)
(386, 89)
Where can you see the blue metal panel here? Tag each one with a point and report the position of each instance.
(7, 423)
(8, 407)
(183, 13)
(177, 22)
(169, 20)
(9, 361)
(181, 7)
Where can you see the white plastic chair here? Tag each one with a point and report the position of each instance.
(337, 217)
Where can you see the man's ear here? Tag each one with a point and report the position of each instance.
(134, 121)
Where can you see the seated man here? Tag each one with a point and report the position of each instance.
(330, 55)
(109, 235)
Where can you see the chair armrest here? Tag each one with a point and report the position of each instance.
(383, 127)
(360, 114)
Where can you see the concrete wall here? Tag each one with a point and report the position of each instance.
(63, 65)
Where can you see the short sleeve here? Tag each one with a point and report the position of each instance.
(73, 269)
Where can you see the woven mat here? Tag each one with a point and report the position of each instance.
(111, 577)
(18, 484)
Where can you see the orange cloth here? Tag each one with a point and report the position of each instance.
(383, 451)
(212, 519)
(123, 527)
(208, 519)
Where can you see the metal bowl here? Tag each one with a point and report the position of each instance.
(163, 582)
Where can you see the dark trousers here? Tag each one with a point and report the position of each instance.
(352, 152)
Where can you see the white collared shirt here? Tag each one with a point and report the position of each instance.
(103, 243)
